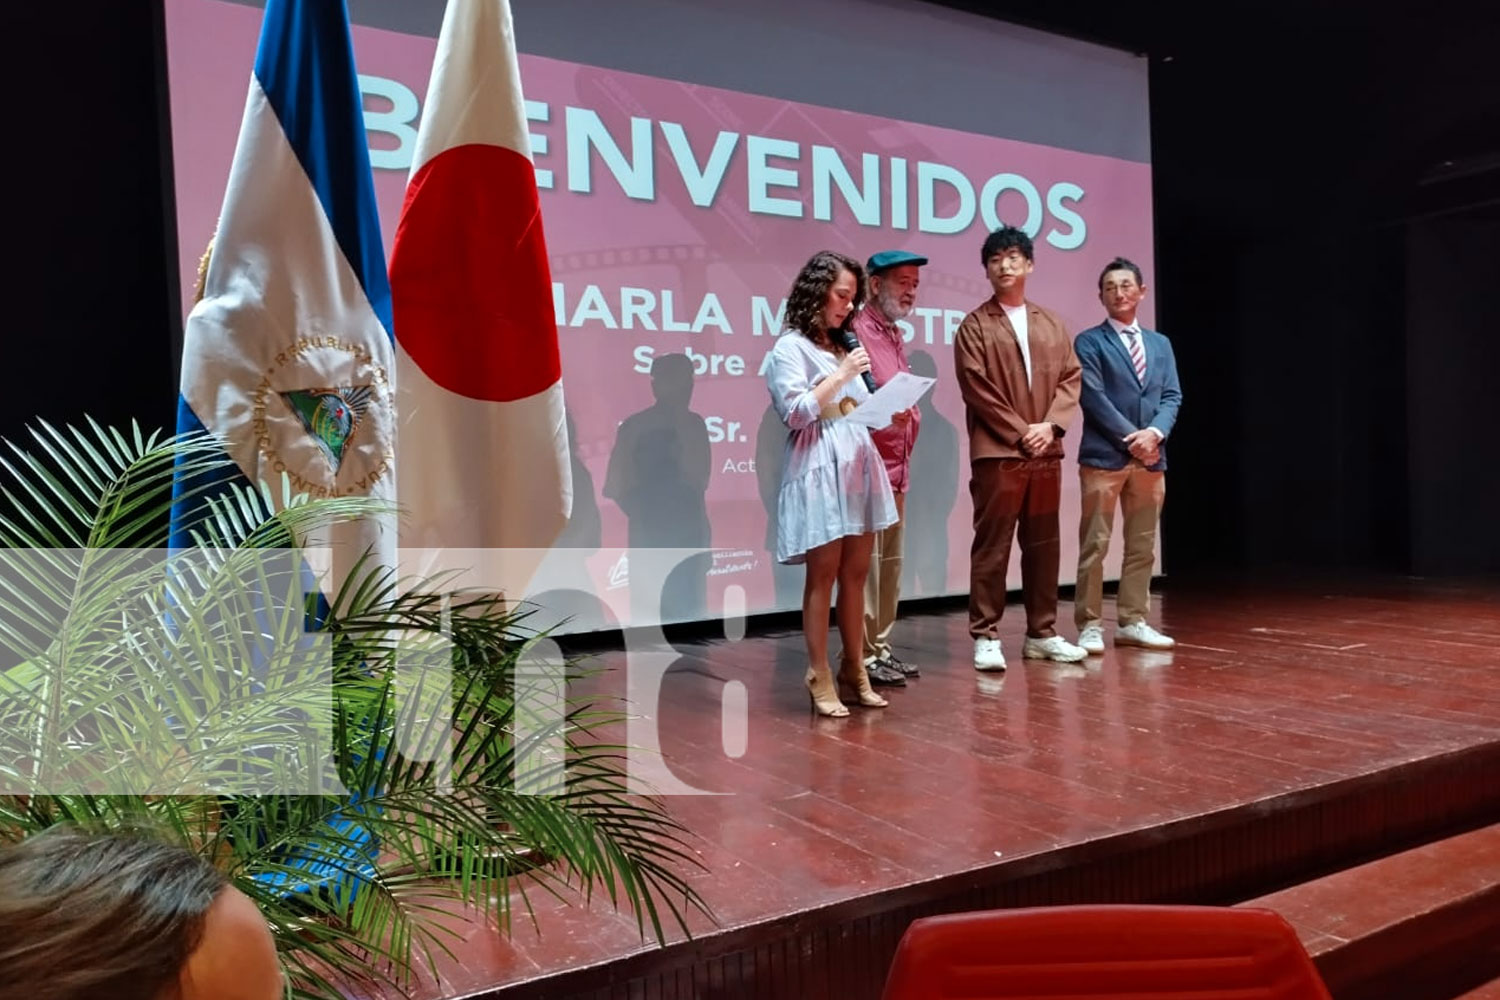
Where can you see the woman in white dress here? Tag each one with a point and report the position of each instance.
(834, 491)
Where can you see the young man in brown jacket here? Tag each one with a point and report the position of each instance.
(1020, 381)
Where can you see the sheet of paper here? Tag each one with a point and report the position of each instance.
(901, 393)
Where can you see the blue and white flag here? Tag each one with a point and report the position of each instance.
(287, 356)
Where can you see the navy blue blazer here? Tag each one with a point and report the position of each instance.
(1115, 403)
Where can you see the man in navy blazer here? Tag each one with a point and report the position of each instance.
(1130, 397)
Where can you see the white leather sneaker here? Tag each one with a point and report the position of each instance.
(1091, 638)
(1054, 648)
(988, 655)
(1141, 634)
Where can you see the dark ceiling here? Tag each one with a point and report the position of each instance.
(1308, 113)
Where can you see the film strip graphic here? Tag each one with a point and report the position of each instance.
(694, 260)
(634, 256)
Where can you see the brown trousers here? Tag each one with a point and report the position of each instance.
(1014, 497)
(1140, 495)
(883, 586)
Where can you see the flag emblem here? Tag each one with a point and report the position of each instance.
(331, 416)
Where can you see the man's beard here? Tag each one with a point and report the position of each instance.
(891, 306)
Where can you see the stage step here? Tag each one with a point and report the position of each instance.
(1489, 991)
(1294, 734)
(1423, 924)
(1215, 857)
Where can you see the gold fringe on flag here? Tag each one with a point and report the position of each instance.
(208, 252)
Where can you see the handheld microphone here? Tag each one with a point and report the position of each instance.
(851, 344)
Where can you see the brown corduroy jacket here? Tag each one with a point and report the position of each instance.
(992, 377)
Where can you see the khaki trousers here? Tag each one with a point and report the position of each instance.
(1140, 494)
(883, 586)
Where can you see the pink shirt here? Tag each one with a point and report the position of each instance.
(882, 341)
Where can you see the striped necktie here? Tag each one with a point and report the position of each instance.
(1137, 356)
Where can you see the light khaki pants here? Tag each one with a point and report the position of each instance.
(1140, 495)
(883, 586)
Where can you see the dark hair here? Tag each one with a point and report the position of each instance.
(1121, 264)
(1002, 239)
(85, 915)
(804, 304)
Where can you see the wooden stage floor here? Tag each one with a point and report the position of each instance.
(1292, 730)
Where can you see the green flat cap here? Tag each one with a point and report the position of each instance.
(892, 258)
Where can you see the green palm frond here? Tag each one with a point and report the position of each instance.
(404, 765)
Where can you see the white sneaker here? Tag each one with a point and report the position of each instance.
(1141, 634)
(1091, 639)
(1054, 648)
(988, 655)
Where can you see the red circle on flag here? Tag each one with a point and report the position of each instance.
(471, 291)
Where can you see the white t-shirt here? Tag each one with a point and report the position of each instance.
(1017, 317)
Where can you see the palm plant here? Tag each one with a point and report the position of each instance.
(187, 695)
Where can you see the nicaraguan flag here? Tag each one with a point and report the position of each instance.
(287, 356)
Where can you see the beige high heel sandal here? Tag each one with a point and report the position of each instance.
(825, 694)
(855, 675)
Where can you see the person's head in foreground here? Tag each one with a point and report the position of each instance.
(123, 917)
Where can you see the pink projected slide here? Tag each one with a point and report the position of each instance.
(676, 216)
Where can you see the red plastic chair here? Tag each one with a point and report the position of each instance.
(1141, 952)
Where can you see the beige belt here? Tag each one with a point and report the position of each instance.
(835, 411)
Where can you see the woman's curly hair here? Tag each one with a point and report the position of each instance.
(804, 305)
